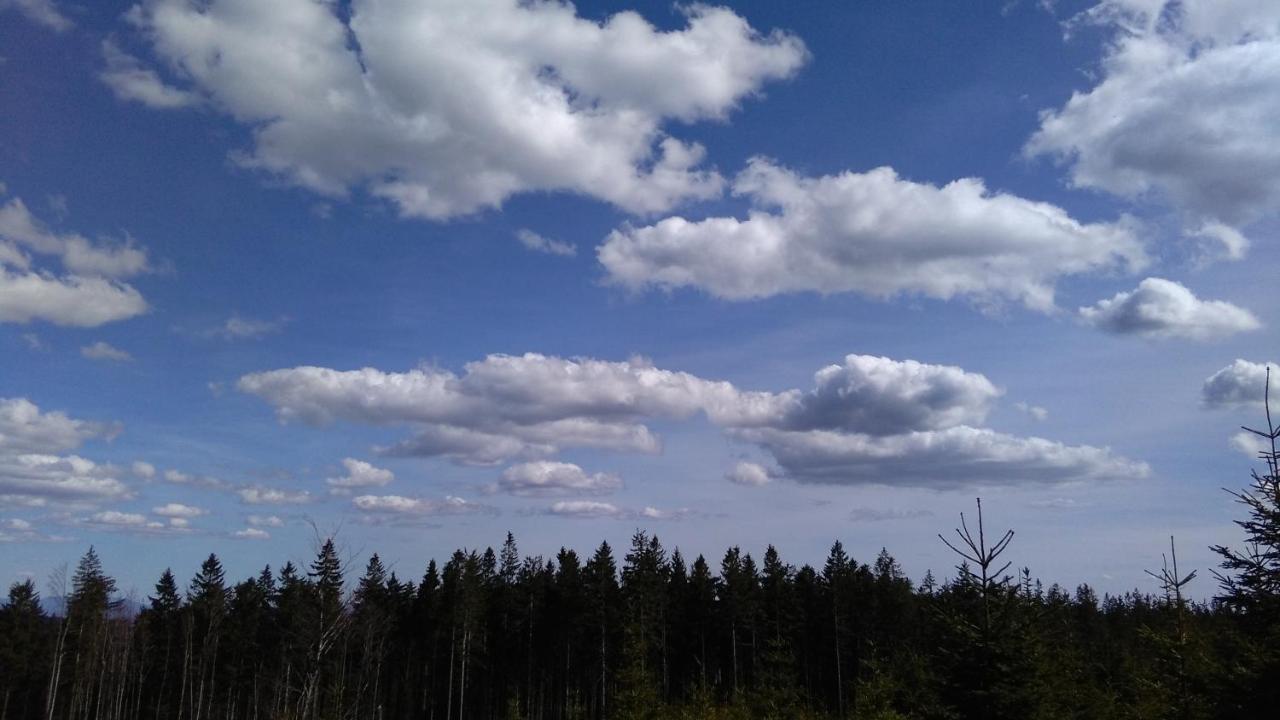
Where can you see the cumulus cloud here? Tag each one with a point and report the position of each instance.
(37, 479)
(1183, 109)
(882, 396)
(265, 521)
(91, 291)
(71, 301)
(545, 477)
(1161, 308)
(1035, 411)
(391, 507)
(144, 470)
(537, 243)
(584, 509)
(105, 351)
(260, 495)
(749, 473)
(13, 530)
(870, 233)
(115, 517)
(507, 406)
(242, 328)
(33, 472)
(447, 108)
(41, 12)
(867, 419)
(178, 510)
(252, 533)
(129, 79)
(358, 474)
(956, 457)
(26, 428)
(1250, 444)
(177, 477)
(1242, 383)
(79, 255)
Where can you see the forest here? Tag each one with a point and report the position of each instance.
(643, 632)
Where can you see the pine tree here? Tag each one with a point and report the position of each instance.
(1250, 578)
(24, 645)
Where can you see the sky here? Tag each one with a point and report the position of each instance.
(420, 273)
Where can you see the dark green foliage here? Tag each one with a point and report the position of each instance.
(493, 635)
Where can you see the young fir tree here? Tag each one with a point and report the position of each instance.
(1250, 577)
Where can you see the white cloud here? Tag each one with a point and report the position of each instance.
(1183, 110)
(749, 473)
(882, 396)
(178, 510)
(391, 505)
(88, 295)
(251, 533)
(79, 255)
(177, 477)
(1036, 412)
(1242, 383)
(70, 301)
(104, 351)
(129, 79)
(584, 509)
(265, 521)
(115, 517)
(543, 477)
(41, 12)
(242, 328)
(956, 457)
(507, 406)
(868, 419)
(653, 513)
(24, 428)
(359, 474)
(538, 243)
(33, 474)
(870, 233)
(1250, 444)
(37, 479)
(447, 108)
(259, 495)
(144, 470)
(1162, 308)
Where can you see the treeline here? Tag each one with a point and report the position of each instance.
(643, 634)
(649, 635)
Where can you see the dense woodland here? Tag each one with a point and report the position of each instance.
(642, 632)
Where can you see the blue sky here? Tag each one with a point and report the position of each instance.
(420, 273)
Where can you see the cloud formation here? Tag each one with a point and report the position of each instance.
(447, 108)
(537, 243)
(260, 495)
(866, 420)
(41, 12)
(544, 477)
(104, 351)
(33, 470)
(1160, 308)
(392, 508)
(750, 474)
(871, 233)
(89, 293)
(1240, 384)
(359, 474)
(1183, 111)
